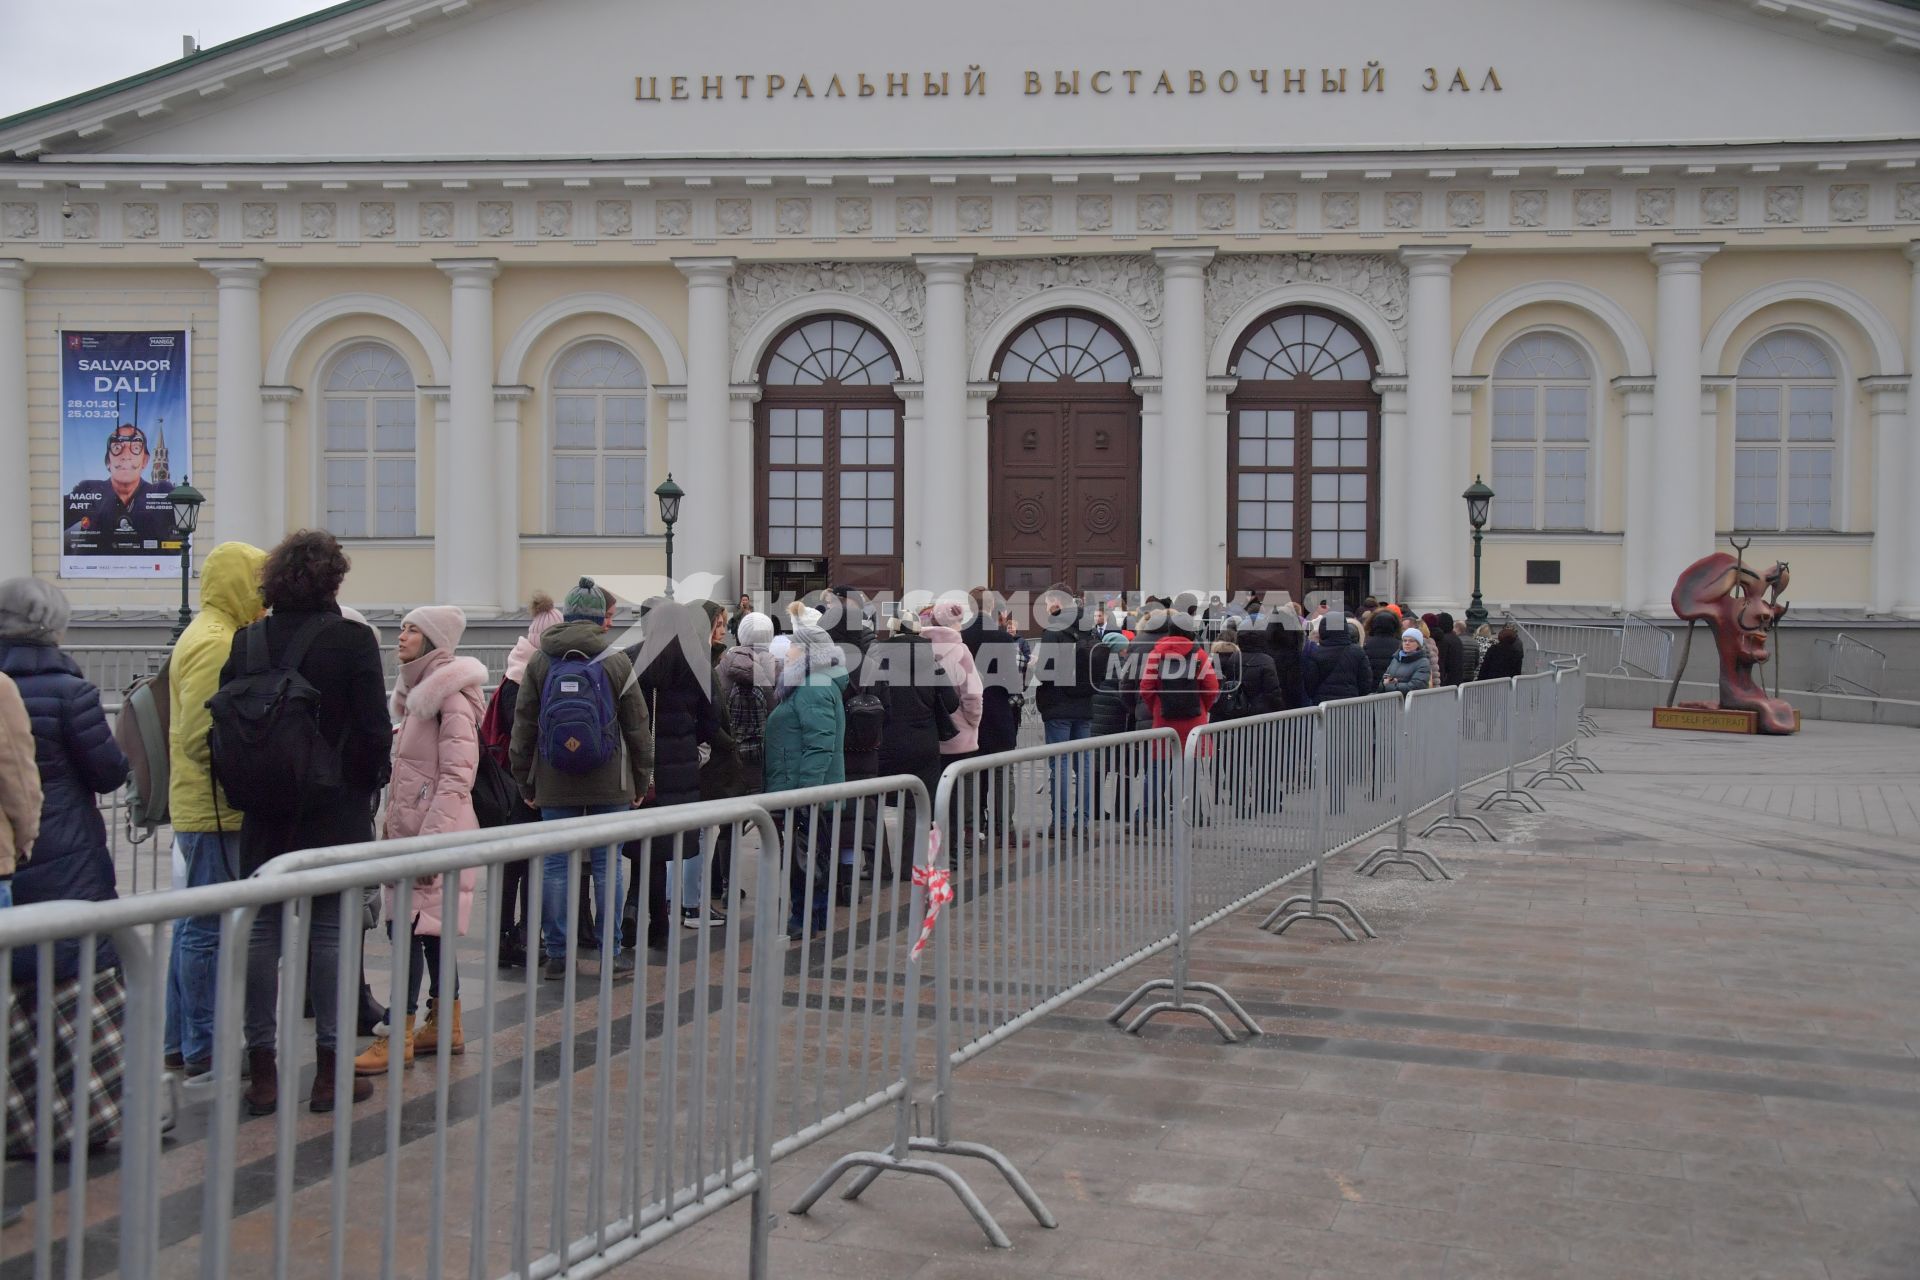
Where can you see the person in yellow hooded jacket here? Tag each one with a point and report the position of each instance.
(205, 827)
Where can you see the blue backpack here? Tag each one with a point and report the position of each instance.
(579, 726)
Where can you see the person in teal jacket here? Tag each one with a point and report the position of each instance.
(803, 748)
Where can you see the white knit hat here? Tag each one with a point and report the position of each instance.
(755, 628)
(1412, 633)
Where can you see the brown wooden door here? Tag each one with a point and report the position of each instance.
(1065, 503)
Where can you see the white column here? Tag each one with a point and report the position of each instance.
(1427, 562)
(975, 549)
(741, 397)
(937, 455)
(698, 455)
(1681, 495)
(16, 496)
(506, 488)
(1892, 520)
(240, 481)
(1638, 593)
(276, 406)
(1908, 592)
(1460, 463)
(1155, 569)
(1218, 507)
(1396, 479)
(467, 556)
(1186, 551)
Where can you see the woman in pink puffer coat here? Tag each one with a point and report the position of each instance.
(438, 700)
(956, 660)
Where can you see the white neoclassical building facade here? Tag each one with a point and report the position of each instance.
(919, 297)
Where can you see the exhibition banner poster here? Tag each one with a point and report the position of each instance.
(125, 434)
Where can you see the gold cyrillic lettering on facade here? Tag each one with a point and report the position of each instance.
(1229, 81)
(1164, 84)
(897, 84)
(833, 89)
(867, 87)
(1373, 78)
(1066, 84)
(802, 89)
(679, 88)
(1432, 81)
(713, 87)
(1196, 82)
(975, 81)
(1259, 77)
(1294, 81)
(646, 88)
(746, 85)
(1459, 82)
(932, 88)
(1033, 83)
(1491, 79)
(1093, 82)
(775, 83)
(1330, 84)
(1133, 79)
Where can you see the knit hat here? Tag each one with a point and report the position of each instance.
(1113, 639)
(543, 618)
(34, 611)
(803, 614)
(1412, 633)
(755, 629)
(587, 603)
(442, 624)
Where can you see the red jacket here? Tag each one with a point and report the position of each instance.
(1176, 644)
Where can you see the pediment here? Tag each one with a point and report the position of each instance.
(406, 80)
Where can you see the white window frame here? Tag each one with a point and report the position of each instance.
(321, 454)
(1540, 445)
(550, 450)
(1839, 503)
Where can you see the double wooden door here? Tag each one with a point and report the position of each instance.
(1065, 488)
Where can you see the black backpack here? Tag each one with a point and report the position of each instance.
(265, 742)
(1180, 684)
(496, 800)
(866, 721)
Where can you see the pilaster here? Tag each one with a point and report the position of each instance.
(16, 493)
(937, 454)
(1422, 478)
(238, 496)
(1185, 523)
(704, 538)
(1681, 495)
(467, 561)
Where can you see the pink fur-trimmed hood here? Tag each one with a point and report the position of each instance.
(441, 681)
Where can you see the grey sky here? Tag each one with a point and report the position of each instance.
(50, 49)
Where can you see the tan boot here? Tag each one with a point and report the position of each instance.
(428, 1038)
(374, 1061)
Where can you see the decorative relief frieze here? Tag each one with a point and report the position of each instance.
(140, 221)
(733, 216)
(1035, 215)
(1653, 206)
(80, 221)
(19, 221)
(317, 220)
(1094, 213)
(553, 219)
(794, 217)
(436, 220)
(1783, 205)
(1340, 210)
(672, 217)
(1403, 210)
(1133, 281)
(757, 288)
(853, 215)
(1278, 209)
(1154, 213)
(260, 221)
(496, 218)
(976, 214)
(1233, 280)
(613, 219)
(1466, 208)
(1720, 206)
(377, 220)
(1847, 202)
(913, 215)
(1593, 207)
(1906, 202)
(1527, 208)
(1216, 212)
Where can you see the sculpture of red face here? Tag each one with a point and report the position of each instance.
(1741, 606)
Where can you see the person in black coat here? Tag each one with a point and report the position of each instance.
(1383, 641)
(844, 612)
(905, 674)
(680, 707)
(1453, 653)
(1063, 696)
(1339, 668)
(77, 757)
(1260, 690)
(996, 656)
(1505, 657)
(301, 586)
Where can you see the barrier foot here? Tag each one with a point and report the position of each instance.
(1357, 917)
(980, 1151)
(1453, 821)
(1566, 780)
(1518, 799)
(1335, 921)
(1313, 912)
(1580, 762)
(1139, 994)
(874, 1163)
(1392, 856)
(1180, 1004)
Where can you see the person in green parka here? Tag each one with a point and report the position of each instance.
(804, 739)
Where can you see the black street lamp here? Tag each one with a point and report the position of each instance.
(186, 502)
(669, 494)
(1479, 497)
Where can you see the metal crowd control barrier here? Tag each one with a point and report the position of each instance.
(1430, 729)
(1636, 646)
(1849, 666)
(1646, 648)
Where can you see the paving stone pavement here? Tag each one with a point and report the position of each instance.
(1666, 1029)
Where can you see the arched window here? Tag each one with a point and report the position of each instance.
(1303, 344)
(1066, 348)
(368, 443)
(1784, 428)
(599, 440)
(1542, 433)
(829, 452)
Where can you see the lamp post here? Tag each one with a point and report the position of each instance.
(186, 502)
(1479, 497)
(669, 494)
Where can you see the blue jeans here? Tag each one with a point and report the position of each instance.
(1079, 766)
(6, 891)
(179, 881)
(212, 858)
(553, 887)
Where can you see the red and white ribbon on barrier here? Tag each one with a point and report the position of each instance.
(938, 882)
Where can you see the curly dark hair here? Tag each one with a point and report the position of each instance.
(305, 570)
